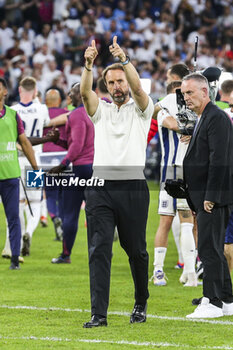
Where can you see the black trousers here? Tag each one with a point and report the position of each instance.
(217, 284)
(123, 204)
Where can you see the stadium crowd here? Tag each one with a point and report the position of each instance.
(46, 39)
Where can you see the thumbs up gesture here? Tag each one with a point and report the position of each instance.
(116, 50)
(90, 54)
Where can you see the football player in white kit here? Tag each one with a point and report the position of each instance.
(35, 117)
(173, 152)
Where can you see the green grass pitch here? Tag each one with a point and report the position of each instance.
(43, 306)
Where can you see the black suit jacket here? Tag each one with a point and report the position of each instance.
(208, 163)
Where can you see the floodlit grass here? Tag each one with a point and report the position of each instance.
(60, 297)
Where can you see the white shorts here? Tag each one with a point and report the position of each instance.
(168, 205)
(34, 195)
(182, 204)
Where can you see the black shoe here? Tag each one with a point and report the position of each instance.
(61, 260)
(196, 301)
(96, 321)
(139, 314)
(26, 244)
(13, 266)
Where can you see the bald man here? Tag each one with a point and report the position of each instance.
(53, 194)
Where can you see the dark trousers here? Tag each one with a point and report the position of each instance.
(211, 235)
(123, 204)
(53, 201)
(9, 191)
(72, 198)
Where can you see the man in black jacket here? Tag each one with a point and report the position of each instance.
(208, 169)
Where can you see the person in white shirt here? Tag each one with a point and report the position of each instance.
(35, 117)
(173, 152)
(121, 130)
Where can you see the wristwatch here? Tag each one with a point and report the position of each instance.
(126, 61)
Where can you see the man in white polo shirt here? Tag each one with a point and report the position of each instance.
(121, 130)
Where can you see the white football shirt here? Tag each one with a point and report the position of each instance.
(35, 117)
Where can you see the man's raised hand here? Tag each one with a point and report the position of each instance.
(116, 50)
(91, 53)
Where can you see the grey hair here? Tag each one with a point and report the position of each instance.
(199, 78)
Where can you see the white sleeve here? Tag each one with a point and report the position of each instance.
(96, 117)
(169, 103)
(147, 114)
(46, 116)
(162, 115)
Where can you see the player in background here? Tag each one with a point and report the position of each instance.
(53, 195)
(228, 246)
(225, 91)
(12, 131)
(171, 168)
(174, 73)
(35, 117)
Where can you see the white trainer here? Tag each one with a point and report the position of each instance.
(227, 309)
(159, 278)
(6, 253)
(183, 278)
(191, 280)
(206, 310)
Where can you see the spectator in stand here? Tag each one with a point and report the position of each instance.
(6, 36)
(74, 46)
(45, 9)
(143, 21)
(42, 57)
(106, 18)
(209, 20)
(144, 53)
(29, 10)
(51, 73)
(27, 26)
(119, 12)
(59, 7)
(72, 72)
(204, 58)
(46, 37)
(75, 9)
(14, 50)
(26, 45)
(115, 30)
(13, 12)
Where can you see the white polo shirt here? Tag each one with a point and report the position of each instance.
(121, 140)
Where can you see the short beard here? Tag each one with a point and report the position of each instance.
(119, 99)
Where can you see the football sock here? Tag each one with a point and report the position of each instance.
(32, 221)
(44, 211)
(188, 247)
(159, 257)
(176, 235)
